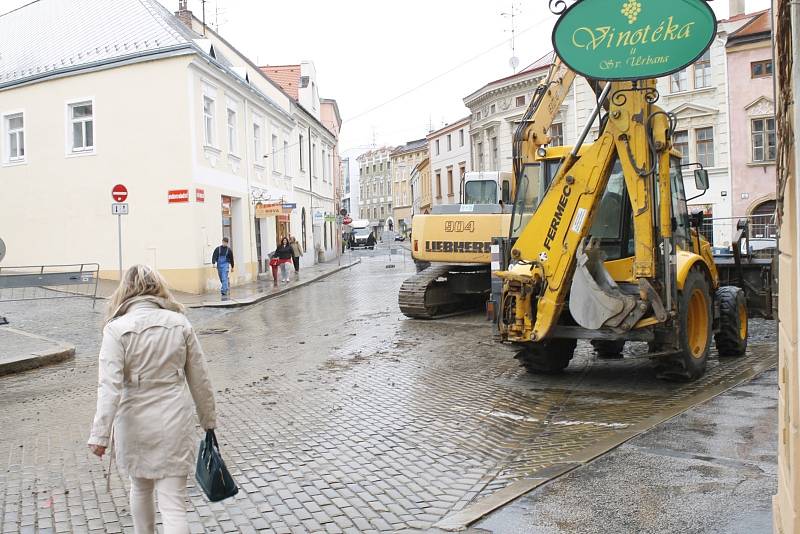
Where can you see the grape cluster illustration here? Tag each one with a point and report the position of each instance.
(631, 9)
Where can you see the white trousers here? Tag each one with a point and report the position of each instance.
(171, 503)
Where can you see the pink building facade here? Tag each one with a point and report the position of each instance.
(752, 124)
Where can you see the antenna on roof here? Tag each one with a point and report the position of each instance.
(204, 16)
(514, 61)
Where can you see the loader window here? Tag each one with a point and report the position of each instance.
(608, 222)
(531, 188)
(679, 210)
(613, 223)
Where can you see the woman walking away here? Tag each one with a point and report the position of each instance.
(151, 369)
(284, 255)
(296, 253)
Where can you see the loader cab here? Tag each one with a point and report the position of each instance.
(533, 182)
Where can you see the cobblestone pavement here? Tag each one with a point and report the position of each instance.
(337, 414)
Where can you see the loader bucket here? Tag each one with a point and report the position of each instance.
(595, 300)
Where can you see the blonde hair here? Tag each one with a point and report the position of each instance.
(139, 281)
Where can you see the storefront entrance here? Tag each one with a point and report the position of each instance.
(227, 226)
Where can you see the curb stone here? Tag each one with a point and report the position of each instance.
(238, 303)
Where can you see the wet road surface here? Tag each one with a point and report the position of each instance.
(336, 413)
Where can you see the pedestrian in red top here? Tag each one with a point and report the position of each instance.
(281, 256)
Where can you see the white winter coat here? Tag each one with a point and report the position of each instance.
(151, 367)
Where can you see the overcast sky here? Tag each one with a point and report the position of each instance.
(379, 54)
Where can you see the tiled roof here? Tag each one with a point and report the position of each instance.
(541, 63)
(287, 76)
(51, 36)
(759, 24)
(411, 146)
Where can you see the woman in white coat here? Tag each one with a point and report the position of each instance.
(151, 369)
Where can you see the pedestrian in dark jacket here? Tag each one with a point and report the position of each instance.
(282, 256)
(223, 260)
(297, 251)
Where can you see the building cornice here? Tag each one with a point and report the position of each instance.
(111, 63)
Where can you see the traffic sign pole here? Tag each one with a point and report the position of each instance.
(119, 238)
(119, 193)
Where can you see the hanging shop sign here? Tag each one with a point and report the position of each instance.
(268, 210)
(633, 39)
(199, 195)
(283, 218)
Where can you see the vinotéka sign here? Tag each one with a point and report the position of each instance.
(633, 39)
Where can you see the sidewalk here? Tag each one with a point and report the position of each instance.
(264, 288)
(20, 351)
(249, 293)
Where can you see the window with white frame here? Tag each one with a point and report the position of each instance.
(274, 147)
(437, 147)
(286, 157)
(762, 132)
(702, 71)
(15, 138)
(449, 142)
(81, 116)
(208, 119)
(232, 137)
(678, 81)
(556, 134)
(314, 160)
(680, 141)
(704, 142)
(324, 165)
(301, 144)
(461, 137)
(257, 146)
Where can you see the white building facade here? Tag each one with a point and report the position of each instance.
(208, 152)
(698, 96)
(450, 157)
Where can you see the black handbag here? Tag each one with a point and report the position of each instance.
(212, 476)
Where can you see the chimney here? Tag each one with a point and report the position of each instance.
(736, 8)
(185, 16)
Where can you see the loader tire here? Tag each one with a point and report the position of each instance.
(547, 357)
(608, 349)
(695, 330)
(731, 339)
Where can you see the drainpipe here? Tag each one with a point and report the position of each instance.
(311, 194)
(795, 16)
(250, 220)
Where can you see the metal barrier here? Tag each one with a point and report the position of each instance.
(41, 282)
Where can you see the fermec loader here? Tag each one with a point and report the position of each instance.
(602, 246)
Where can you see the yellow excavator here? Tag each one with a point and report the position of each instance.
(602, 246)
(451, 246)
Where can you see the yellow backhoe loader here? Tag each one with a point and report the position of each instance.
(602, 246)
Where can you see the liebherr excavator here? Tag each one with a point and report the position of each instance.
(602, 246)
(451, 246)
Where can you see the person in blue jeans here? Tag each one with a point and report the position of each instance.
(223, 260)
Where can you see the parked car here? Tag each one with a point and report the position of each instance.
(362, 238)
(399, 237)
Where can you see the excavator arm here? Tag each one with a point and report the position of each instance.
(545, 255)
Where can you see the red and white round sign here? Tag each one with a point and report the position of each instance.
(119, 193)
(347, 220)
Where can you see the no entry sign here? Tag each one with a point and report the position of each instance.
(119, 193)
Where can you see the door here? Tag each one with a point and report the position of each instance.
(258, 246)
(227, 218)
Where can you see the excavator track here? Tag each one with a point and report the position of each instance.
(425, 296)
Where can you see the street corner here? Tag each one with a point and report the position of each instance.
(22, 351)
